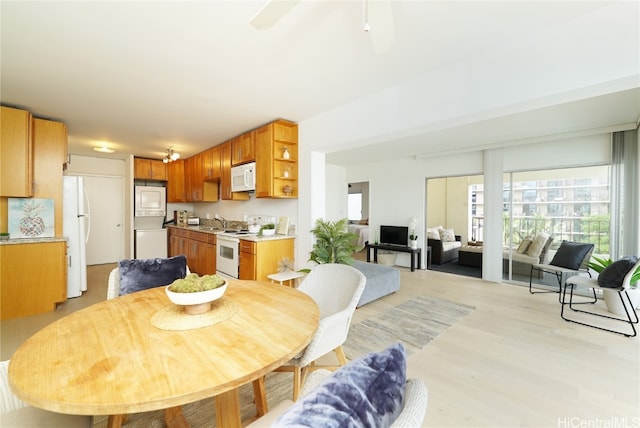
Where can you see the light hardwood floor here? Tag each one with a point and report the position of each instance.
(511, 362)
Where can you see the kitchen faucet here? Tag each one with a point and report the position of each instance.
(222, 221)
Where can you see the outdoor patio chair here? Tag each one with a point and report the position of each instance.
(606, 281)
(572, 258)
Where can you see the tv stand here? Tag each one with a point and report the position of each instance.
(416, 253)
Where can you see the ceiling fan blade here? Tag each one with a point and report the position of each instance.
(272, 12)
(382, 29)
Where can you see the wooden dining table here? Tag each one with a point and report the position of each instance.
(108, 359)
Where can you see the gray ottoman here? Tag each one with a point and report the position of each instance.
(381, 280)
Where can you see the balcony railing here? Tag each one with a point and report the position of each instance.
(577, 229)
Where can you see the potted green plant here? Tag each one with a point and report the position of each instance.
(267, 229)
(413, 240)
(610, 297)
(4, 236)
(334, 243)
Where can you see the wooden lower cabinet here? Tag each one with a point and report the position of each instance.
(198, 247)
(259, 259)
(33, 278)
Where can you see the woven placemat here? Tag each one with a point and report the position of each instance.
(173, 317)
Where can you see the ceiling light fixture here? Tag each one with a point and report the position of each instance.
(104, 149)
(171, 156)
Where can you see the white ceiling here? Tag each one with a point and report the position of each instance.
(144, 76)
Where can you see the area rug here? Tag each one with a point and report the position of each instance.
(414, 323)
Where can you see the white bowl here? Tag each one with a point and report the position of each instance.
(197, 298)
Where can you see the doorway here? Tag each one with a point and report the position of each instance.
(358, 215)
(358, 201)
(106, 236)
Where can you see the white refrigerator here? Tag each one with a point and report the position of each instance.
(75, 225)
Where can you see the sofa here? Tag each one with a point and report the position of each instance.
(444, 244)
(523, 257)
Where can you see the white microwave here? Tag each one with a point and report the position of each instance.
(150, 201)
(243, 177)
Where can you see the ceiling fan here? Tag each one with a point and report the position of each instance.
(377, 19)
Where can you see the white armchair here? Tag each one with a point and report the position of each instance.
(336, 288)
(16, 413)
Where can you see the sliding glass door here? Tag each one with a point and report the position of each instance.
(543, 208)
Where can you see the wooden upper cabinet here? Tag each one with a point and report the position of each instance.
(49, 154)
(176, 190)
(277, 160)
(199, 190)
(212, 169)
(225, 180)
(243, 149)
(16, 153)
(193, 172)
(149, 169)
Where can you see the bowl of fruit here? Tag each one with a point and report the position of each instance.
(196, 292)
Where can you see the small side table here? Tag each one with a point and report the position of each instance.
(289, 276)
(416, 253)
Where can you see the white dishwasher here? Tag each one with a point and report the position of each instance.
(151, 243)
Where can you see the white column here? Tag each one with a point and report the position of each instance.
(492, 241)
(311, 201)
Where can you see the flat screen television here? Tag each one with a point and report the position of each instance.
(394, 235)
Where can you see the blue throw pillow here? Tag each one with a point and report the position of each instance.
(137, 275)
(367, 392)
(613, 275)
(571, 254)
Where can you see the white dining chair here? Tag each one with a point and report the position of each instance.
(16, 413)
(336, 288)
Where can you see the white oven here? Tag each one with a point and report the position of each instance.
(227, 256)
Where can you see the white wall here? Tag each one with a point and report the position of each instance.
(336, 183)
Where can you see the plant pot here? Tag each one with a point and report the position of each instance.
(413, 244)
(387, 259)
(614, 305)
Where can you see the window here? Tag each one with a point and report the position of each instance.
(555, 194)
(354, 206)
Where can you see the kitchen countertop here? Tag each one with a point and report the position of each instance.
(13, 241)
(253, 238)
